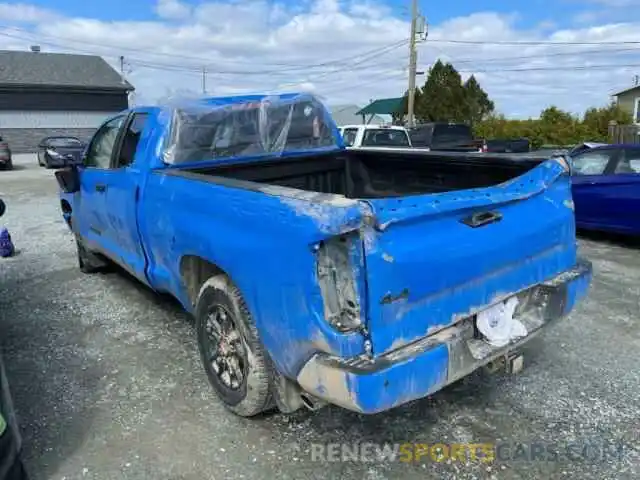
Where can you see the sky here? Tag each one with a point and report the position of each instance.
(527, 55)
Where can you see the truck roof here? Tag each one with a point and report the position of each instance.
(235, 128)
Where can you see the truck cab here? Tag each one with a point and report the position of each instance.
(372, 136)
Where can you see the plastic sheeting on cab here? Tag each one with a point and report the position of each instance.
(255, 125)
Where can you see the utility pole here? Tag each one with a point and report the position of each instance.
(204, 80)
(122, 67)
(413, 60)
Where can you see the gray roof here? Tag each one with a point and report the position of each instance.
(347, 115)
(626, 90)
(58, 70)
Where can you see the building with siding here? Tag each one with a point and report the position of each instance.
(629, 100)
(44, 94)
(348, 115)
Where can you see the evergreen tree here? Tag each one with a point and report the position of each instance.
(477, 102)
(442, 98)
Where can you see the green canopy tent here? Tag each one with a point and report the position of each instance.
(384, 106)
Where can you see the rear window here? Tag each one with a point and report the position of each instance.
(443, 133)
(246, 129)
(385, 137)
(420, 136)
(349, 136)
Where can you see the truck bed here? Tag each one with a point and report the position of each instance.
(378, 173)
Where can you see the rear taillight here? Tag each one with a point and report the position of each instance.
(336, 277)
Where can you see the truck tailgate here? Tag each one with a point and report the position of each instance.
(432, 260)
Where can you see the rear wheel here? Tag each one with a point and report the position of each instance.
(231, 351)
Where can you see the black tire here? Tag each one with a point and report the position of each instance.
(252, 394)
(87, 261)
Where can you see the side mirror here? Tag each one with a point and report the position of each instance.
(68, 179)
(3, 208)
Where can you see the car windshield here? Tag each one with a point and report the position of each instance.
(385, 137)
(63, 142)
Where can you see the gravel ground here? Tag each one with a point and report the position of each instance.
(108, 385)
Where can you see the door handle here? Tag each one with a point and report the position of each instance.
(100, 187)
(482, 218)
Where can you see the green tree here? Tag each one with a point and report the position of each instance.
(555, 126)
(477, 103)
(596, 121)
(399, 118)
(442, 98)
(559, 127)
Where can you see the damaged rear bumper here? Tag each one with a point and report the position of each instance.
(424, 367)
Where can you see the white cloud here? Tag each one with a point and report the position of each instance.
(586, 17)
(24, 13)
(172, 9)
(321, 46)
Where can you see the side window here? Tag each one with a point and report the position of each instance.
(222, 137)
(131, 139)
(103, 143)
(629, 161)
(591, 163)
(349, 136)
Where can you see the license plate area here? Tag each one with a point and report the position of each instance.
(496, 327)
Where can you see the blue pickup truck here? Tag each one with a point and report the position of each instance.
(316, 274)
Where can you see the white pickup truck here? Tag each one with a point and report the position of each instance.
(356, 136)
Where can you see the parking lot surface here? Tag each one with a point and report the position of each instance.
(107, 382)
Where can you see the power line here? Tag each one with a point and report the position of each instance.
(552, 69)
(290, 67)
(481, 61)
(370, 80)
(543, 55)
(532, 42)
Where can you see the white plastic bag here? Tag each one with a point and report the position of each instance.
(498, 325)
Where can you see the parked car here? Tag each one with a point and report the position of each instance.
(583, 147)
(11, 467)
(6, 162)
(456, 137)
(509, 145)
(316, 274)
(606, 188)
(56, 152)
(356, 136)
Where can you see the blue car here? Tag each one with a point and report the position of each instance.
(606, 188)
